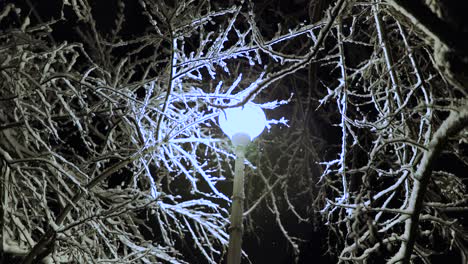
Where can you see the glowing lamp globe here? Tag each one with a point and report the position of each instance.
(242, 124)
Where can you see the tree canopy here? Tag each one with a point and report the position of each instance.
(110, 148)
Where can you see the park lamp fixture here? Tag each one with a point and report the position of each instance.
(242, 125)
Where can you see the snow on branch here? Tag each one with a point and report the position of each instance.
(455, 122)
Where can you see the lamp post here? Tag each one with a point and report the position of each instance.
(242, 125)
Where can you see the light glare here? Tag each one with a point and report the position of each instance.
(248, 119)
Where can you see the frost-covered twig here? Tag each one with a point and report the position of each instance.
(456, 121)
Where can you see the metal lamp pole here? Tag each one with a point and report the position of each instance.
(241, 124)
(237, 209)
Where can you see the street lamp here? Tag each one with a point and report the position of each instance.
(242, 125)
